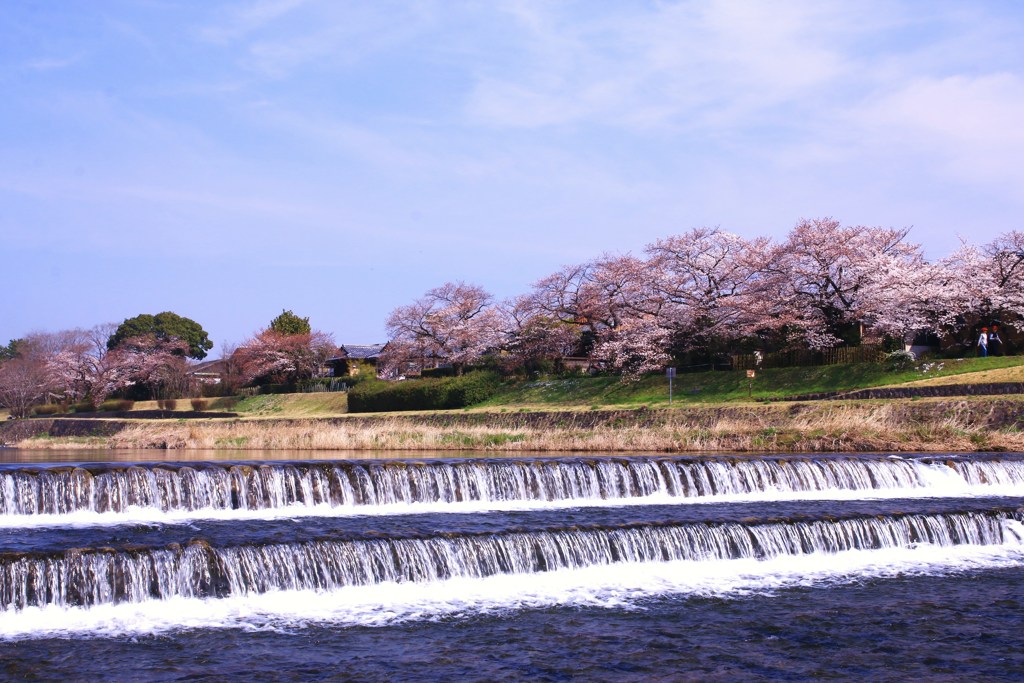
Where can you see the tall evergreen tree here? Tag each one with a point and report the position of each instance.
(164, 326)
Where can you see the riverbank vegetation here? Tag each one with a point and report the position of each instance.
(895, 426)
(731, 386)
(827, 294)
(483, 391)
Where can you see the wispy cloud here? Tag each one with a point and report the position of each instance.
(277, 37)
(357, 142)
(969, 125)
(243, 19)
(494, 140)
(674, 64)
(52, 63)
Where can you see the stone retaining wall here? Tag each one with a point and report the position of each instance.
(936, 391)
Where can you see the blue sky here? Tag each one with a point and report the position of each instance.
(226, 160)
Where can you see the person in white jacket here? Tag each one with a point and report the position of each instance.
(983, 342)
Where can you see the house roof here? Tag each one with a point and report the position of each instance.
(361, 351)
(207, 367)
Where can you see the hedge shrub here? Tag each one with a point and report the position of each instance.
(117, 405)
(215, 390)
(423, 394)
(437, 372)
(50, 409)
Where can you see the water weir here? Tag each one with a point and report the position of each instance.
(175, 488)
(95, 576)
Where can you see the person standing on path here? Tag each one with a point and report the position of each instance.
(995, 343)
(983, 343)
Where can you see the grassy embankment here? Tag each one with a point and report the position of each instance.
(727, 387)
(582, 393)
(271, 405)
(601, 414)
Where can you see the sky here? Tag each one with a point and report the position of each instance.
(228, 160)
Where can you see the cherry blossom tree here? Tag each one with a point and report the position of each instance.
(568, 296)
(83, 368)
(270, 356)
(710, 284)
(602, 298)
(906, 296)
(597, 295)
(970, 285)
(1005, 268)
(820, 277)
(533, 339)
(156, 363)
(980, 286)
(25, 379)
(86, 369)
(636, 348)
(455, 323)
(24, 383)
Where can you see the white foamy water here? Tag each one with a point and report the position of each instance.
(942, 483)
(381, 581)
(626, 585)
(159, 494)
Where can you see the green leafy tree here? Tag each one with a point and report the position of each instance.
(164, 326)
(12, 350)
(288, 323)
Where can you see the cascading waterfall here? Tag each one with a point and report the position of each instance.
(107, 576)
(61, 491)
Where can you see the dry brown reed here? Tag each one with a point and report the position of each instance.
(968, 425)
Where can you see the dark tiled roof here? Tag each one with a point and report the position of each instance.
(361, 351)
(207, 366)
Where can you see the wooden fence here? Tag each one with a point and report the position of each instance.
(842, 355)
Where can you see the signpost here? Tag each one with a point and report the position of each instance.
(671, 373)
(751, 374)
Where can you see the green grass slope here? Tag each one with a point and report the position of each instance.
(726, 386)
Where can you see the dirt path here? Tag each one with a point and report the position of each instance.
(1014, 374)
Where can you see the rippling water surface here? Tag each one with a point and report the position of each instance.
(866, 568)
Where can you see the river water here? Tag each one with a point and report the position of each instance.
(867, 567)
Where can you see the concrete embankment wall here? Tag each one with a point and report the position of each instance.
(13, 431)
(934, 391)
